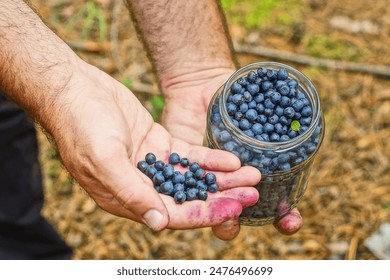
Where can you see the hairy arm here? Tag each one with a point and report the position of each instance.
(36, 65)
(186, 40)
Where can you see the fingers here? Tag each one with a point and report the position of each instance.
(245, 176)
(290, 223)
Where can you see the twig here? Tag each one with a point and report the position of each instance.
(379, 70)
(351, 253)
(89, 46)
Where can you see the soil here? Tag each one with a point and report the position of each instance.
(348, 197)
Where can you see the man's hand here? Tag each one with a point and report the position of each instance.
(102, 131)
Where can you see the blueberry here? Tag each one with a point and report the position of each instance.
(174, 158)
(245, 124)
(142, 166)
(224, 136)
(260, 108)
(235, 88)
(216, 118)
(311, 148)
(297, 116)
(150, 171)
(242, 81)
(283, 158)
(282, 74)
(301, 151)
(202, 194)
(284, 138)
(168, 171)
(271, 75)
(292, 84)
(285, 101)
(188, 174)
(279, 111)
(274, 137)
(298, 160)
(298, 105)
(231, 108)
(238, 99)
(289, 112)
(284, 121)
(273, 119)
(259, 137)
(301, 95)
(306, 111)
(157, 188)
(178, 188)
(265, 137)
(265, 162)
(198, 174)
(246, 156)
(184, 162)
(252, 104)
(213, 188)
(249, 133)
(178, 178)
(266, 85)
(268, 112)
(210, 178)
(268, 128)
(238, 116)
(194, 166)
(192, 194)
(303, 128)
(276, 97)
(285, 166)
(305, 121)
(166, 188)
(244, 108)
(262, 119)
(284, 90)
(268, 104)
(180, 197)
(251, 77)
(247, 96)
(190, 182)
(253, 89)
(150, 158)
(292, 134)
(235, 123)
(259, 98)
(257, 128)
(201, 185)
(274, 164)
(229, 146)
(292, 93)
(278, 128)
(251, 115)
(159, 165)
(158, 178)
(262, 72)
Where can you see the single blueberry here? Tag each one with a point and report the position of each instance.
(311, 147)
(180, 197)
(298, 160)
(301, 151)
(157, 188)
(268, 128)
(284, 90)
(213, 188)
(249, 132)
(274, 137)
(201, 185)
(272, 75)
(246, 156)
(168, 171)
(202, 194)
(278, 128)
(192, 194)
(229, 146)
(292, 93)
(266, 85)
(289, 112)
(194, 166)
(238, 99)
(268, 104)
(283, 158)
(265, 137)
(159, 165)
(235, 88)
(244, 108)
(188, 174)
(178, 187)
(158, 178)
(274, 164)
(301, 95)
(231, 108)
(150, 171)
(285, 166)
(242, 81)
(166, 188)
(210, 178)
(284, 121)
(279, 111)
(178, 178)
(247, 96)
(292, 133)
(292, 84)
(265, 162)
(251, 76)
(305, 121)
(174, 158)
(235, 123)
(276, 97)
(259, 98)
(150, 158)
(252, 104)
(262, 119)
(303, 128)
(184, 162)
(257, 128)
(306, 111)
(251, 115)
(198, 174)
(268, 112)
(238, 116)
(262, 72)
(284, 138)
(253, 89)
(298, 105)
(224, 136)
(297, 116)
(285, 102)
(245, 124)
(142, 166)
(273, 119)
(260, 108)
(259, 137)
(190, 182)
(216, 118)
(282, 74)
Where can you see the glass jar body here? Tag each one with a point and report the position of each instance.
(285, 166)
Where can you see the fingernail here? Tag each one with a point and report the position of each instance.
(153, 219)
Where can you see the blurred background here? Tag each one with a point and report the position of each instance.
(348, 197)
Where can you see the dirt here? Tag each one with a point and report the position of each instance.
(348, 197)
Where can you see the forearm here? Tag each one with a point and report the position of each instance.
(186, 40)
(36, 65)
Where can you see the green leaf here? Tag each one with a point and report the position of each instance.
(295, 125)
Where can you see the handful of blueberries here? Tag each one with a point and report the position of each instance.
(193, 184)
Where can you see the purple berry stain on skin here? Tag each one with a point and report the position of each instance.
(224, 209)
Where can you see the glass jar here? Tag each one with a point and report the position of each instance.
(285, 166)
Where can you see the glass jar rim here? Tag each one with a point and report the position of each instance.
(280, 146)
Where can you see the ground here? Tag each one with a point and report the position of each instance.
(348, 197)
